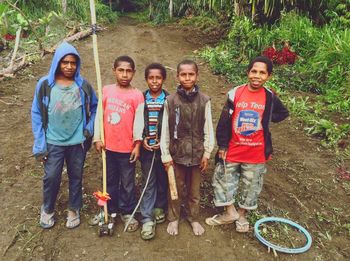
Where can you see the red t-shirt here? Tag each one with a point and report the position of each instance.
(247, 142)
(119, 107)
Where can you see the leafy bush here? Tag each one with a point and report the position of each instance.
(321, 67)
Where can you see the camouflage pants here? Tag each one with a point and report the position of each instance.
(226, 184)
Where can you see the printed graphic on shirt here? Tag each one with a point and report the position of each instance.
(116, 108)
(114, 118)
(247, 122)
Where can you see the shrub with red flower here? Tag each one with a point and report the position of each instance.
(285, 56)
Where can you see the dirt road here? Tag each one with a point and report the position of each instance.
(301, 183)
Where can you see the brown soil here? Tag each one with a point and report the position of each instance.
(302, 182)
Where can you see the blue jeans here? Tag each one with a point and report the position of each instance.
(74, 156)
(156, 192)
(120, 182)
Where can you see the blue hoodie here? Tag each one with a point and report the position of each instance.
(40, 147)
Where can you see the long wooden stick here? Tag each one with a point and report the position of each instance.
(100, 108)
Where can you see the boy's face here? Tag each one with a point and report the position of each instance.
(124, 74)
(257, 76)
(187, 76)
(155, 80)
(68, 66)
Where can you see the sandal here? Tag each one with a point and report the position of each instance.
(148, 230)
(216, 221)
(46, 220)
(73, 221)
(159, 215)
(133, 225)
(242, 227)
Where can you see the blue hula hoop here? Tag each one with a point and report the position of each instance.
(277, 247)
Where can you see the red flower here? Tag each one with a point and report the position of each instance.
(270, 53)
(9, 37)
(285, 56)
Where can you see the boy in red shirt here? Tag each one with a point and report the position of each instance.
(245, 145)
(123, 126)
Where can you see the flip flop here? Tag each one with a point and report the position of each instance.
(242, 227)
(133, 225)
(159, 215)
(148, 230)
(214, 221)
(73, 222)
(46, 220)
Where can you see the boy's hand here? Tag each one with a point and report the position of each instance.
(99, 146)
(135, 153)
(222, 154)
(145, 144)
(204, 165)
(150, 147)
(167, 165)
(156, 146)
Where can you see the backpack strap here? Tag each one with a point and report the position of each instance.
(44, 93)
(87, 89)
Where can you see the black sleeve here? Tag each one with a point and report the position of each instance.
(224, 127)
(279, 112)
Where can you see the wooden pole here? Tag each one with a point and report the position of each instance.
(100, 108)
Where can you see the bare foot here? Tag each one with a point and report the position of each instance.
(173, 228)
(197, 228)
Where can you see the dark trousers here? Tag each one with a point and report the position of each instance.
(120, 182)
(74, 156)
(156, 192)
(188, 181)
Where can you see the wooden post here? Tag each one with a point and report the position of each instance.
(171, 8)
(64, 6)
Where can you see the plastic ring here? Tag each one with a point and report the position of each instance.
(277, 247)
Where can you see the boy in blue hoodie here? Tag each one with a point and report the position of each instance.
(63, 114)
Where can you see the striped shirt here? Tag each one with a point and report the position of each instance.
(154, 105)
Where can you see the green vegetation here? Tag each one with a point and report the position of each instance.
(44, 23)
(321, 68)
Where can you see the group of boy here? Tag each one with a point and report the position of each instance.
(162, 130)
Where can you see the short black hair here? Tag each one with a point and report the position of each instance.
(124, 58)
(261, 59)
(157, 66)
(189, 62)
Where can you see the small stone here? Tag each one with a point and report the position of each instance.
(40, 249)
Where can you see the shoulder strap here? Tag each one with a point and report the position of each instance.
(44, 91)
(87, 88)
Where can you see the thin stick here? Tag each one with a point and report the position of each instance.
(18, 36)
(100, 108)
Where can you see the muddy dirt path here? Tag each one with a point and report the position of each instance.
(301, 182)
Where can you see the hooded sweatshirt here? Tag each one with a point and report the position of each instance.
(89, 102)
